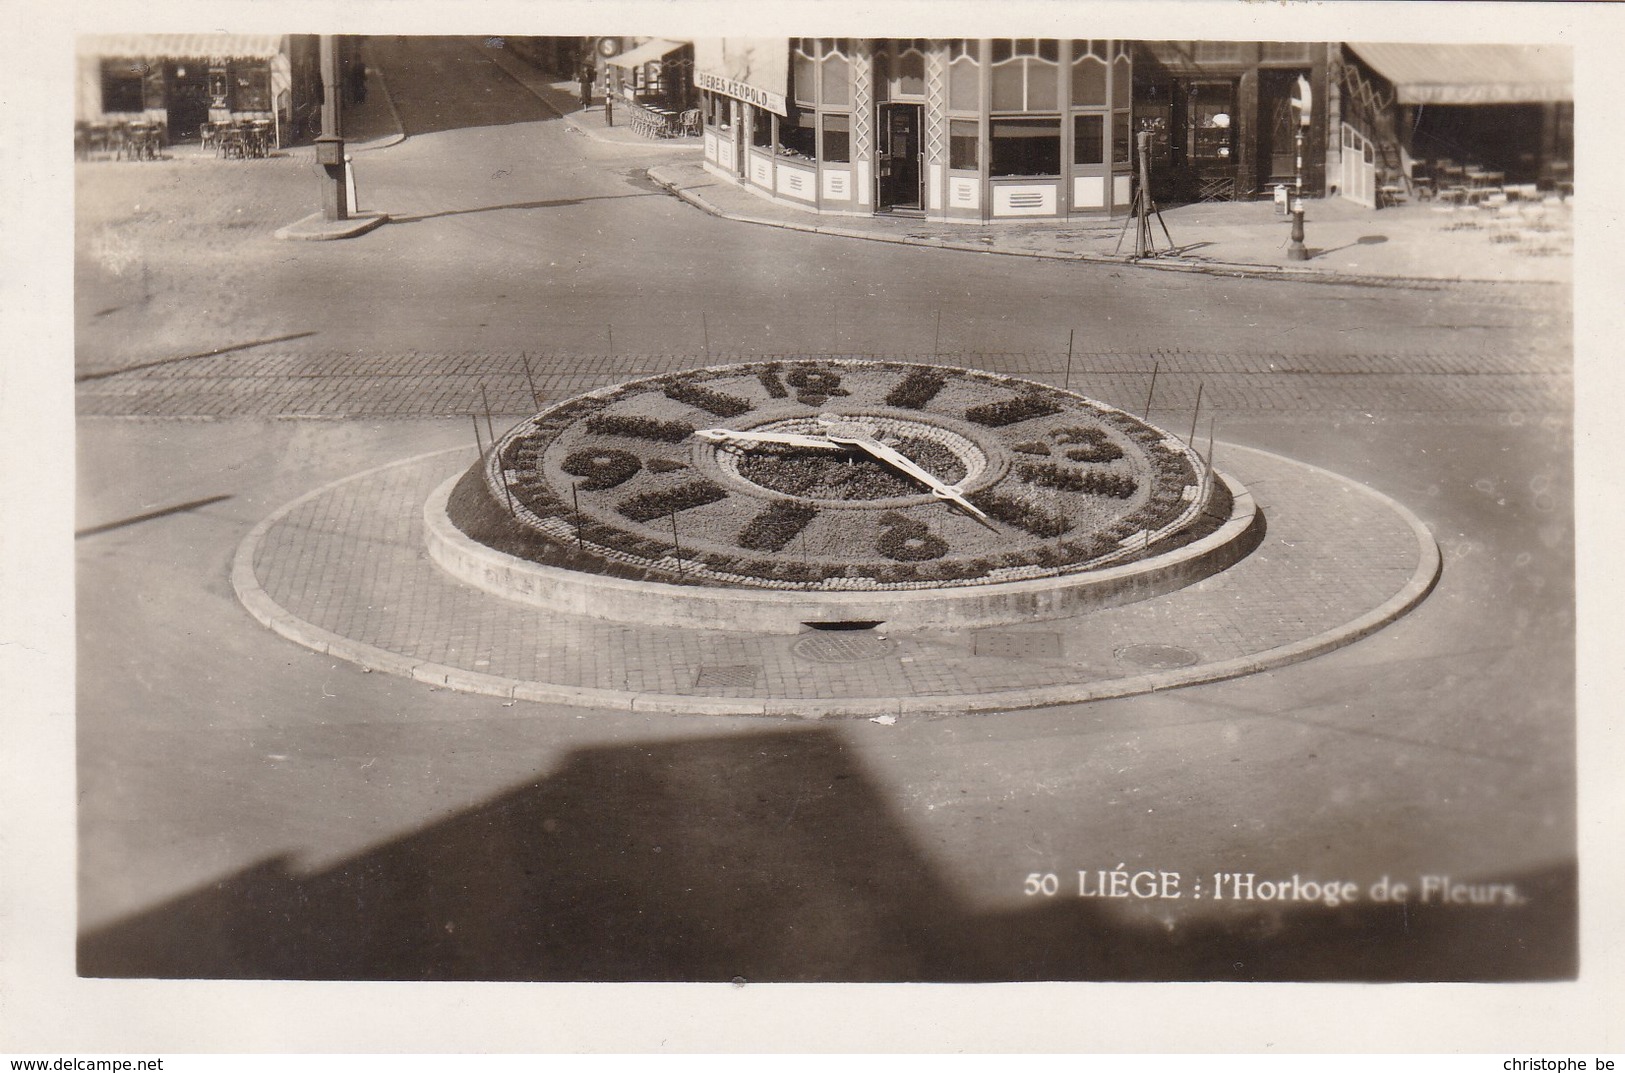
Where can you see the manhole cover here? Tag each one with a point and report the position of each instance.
(733, 676)
(842, 646)
(1034, 645)
(1157, 657)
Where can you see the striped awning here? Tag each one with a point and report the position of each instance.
(1473, 74)
(181, 46)
(649, 52)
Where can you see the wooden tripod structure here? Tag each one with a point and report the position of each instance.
(1143, 208)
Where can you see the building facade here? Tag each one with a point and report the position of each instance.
(1223, 121)
(183, 81)
(955, 129)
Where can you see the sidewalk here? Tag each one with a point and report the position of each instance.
(1345, 241)
(342, 570)
(1417, 241)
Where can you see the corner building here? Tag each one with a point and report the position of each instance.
(954, 129)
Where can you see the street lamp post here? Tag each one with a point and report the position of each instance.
(330, 143)
(1296, 250)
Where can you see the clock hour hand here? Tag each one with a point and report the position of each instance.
(894, 457)
(783, 439)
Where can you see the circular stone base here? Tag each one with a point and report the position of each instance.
(342, 571)
(650, 603)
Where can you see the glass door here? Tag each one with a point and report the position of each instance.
(899, 173)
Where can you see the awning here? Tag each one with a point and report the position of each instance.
(648, 52)
(139, 46)
(1473, 74)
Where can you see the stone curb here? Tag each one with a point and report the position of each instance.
(394, 113)
(317, 228)
(269, 613)
(673, 186)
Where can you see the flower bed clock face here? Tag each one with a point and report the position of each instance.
(842, 475)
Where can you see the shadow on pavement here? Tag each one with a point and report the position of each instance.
(550, 204)
(1363, 240)
(767, 856)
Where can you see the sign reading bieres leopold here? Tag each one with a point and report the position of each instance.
(755, 70)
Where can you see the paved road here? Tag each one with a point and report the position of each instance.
(229, 768)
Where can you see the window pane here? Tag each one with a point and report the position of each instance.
(1120, 138)
(1001, 50)
(1049, 49)
(1009, 90)
(761, 134)
(911, 75)
(837, 81)
(838, 139)
(1089, 139)
(1219, 52)
(1285, 52)
(1043, 80)
(1026, 147)
(963, 144)
(804, 79)
(964, 91)
(1122, 77)
(1089, 81)
(882, 76)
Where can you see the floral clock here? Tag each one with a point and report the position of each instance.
(835, 475)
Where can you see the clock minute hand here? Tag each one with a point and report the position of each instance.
(786, 439)
(908, 465)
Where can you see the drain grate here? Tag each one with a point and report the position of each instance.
(1038, 644)
(1157, 657)
(842, 646)
(727, 676)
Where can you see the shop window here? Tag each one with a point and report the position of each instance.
(1026, 147)
(1026, 74)
(122, 86)
(964, 145)
(837, 139)
(837, 79)
(761, 128)
(1088, 80)
(798, 134)
(1089, 138)
(1121, 141)
(250, 85)
(964, 79)
(718, 113)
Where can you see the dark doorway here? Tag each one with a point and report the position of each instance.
(186, 95)
(899, 171)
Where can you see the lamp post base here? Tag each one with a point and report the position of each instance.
(1296, 251)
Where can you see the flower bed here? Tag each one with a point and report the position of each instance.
(605, 479)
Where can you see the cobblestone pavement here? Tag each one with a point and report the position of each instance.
(349, 561)
(335, 384)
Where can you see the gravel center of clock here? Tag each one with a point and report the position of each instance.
(850, 477)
